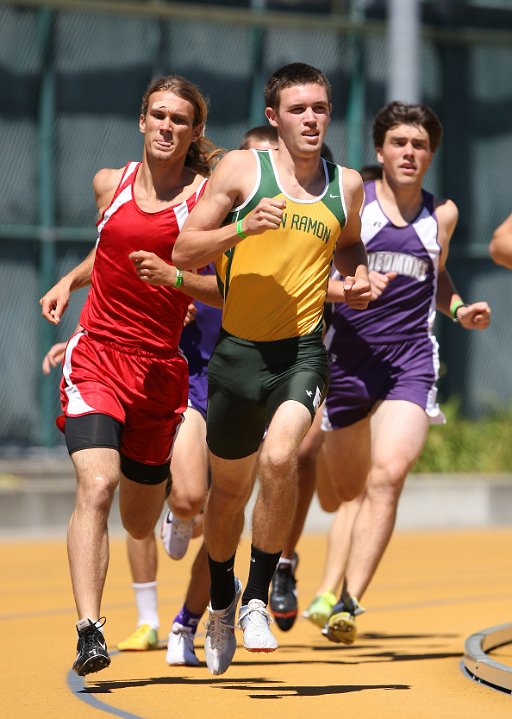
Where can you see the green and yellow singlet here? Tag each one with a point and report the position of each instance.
(274, 284)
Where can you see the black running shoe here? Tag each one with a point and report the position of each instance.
(283, 597)
(92, 655)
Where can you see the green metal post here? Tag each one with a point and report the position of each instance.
(257, 34)
(46, 210)
(355, 107)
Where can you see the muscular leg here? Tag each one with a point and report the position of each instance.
(224, 515)
(338, 546)
(347, 457)
(198, 595)
(143, 558)
(273, 512)
(283, 595)
(399, 430)
(324, 489)
(140, 506)
(346, 453)
(189, 467)
(306, 473)
(97, 472)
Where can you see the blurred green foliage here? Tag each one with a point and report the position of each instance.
(464, 445)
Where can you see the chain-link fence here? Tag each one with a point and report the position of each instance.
(71, 82)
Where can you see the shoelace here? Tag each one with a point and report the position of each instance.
(260, 617)
(185, 637)
(218, 630)
(284, 581)
(90, 634)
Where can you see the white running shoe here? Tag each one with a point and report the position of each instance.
(180, 647)
(175, 534)
(220, 642)
(254, 621)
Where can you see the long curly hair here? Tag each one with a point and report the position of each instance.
(202, 155)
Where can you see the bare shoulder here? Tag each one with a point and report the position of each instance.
(446, 211)
(234, 175)
(351, 178)
(352, 188)
(104, 184)
(107, 179)
(237, 161)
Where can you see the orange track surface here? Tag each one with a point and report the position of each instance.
(431, 592)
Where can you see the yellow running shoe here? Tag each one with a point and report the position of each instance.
(341, 625)
(320, 609)
(142, 639)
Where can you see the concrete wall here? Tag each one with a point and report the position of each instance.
(37, 496)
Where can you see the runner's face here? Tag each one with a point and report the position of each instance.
(406, 154)
(168, 126)
(303, 118)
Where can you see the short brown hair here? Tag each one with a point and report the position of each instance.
(296, 73)
(202, 153)
(265, 133)
(400, 113)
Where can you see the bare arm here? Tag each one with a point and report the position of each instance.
(202, 238)
(475, 316)
(155, 271)
(54, 303)
(500, 247)
(350, 257)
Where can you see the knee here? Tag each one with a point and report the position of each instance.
(385, 482)
(229, 493)
(138, 531)
(187, 506)
(276, 461)
(328, 502)
(96, 494)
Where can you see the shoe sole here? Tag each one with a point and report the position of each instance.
(340, 629)
(260, 650)
(92, 665)
(317, 619)
(285, 620)
(148, 648)
(184, 664)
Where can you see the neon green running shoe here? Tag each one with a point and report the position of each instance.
(142, 639)
(320, 609)
(341, 625)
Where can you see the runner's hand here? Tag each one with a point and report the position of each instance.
(152, 269)
(53, 357)
(267, 215)
(357, 292)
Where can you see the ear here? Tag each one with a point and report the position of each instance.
(197, 132)
(270, 114)
(378, 151)
(142, 123)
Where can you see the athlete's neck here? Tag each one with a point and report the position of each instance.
(159, 185)
(301, 177)
(401, 203)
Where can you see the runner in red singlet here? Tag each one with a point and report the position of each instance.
(124, 384)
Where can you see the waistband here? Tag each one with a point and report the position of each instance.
(311, 340)
(133, 350)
